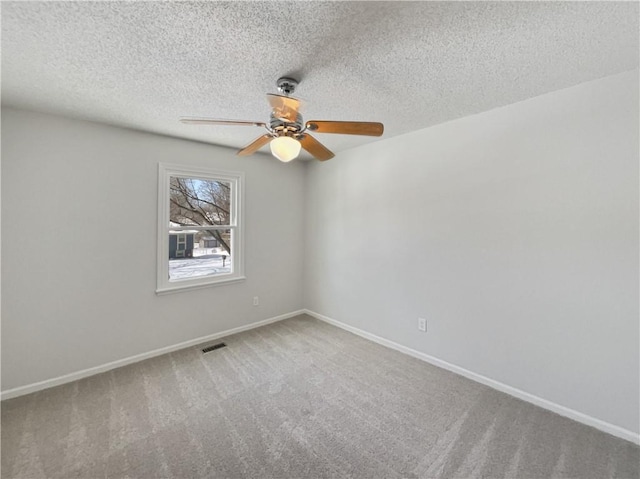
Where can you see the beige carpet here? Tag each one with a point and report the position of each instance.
(296, 399)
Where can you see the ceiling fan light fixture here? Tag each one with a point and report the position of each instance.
(285, 148)
(286, 130)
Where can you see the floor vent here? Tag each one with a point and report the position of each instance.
(213, 347)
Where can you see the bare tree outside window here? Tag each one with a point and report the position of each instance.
(195, 202)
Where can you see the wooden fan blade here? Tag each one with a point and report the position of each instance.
(255, 146)
(284, 108)
(317, 149)
(210, 121)
(346, 127)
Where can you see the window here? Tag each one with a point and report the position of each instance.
(199, 227)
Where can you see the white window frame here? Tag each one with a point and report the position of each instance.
(236, 179)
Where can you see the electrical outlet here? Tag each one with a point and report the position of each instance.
(422, 324)
(256, 301)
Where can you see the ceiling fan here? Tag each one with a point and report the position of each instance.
(287, 132)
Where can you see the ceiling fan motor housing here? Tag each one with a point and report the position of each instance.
(281, 127)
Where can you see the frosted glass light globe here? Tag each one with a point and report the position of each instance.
(285, 148)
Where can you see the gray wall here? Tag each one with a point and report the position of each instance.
(75, 197)
(514, 232)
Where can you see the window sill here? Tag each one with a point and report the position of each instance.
(187, 287)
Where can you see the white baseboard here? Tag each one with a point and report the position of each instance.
(67, 378)
(525, 396)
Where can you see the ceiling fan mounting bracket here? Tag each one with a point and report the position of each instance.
(287, 85)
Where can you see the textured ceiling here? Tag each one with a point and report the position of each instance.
(408, 64)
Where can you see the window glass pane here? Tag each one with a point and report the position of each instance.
(201, 202)
(199, 219)
(204, 253)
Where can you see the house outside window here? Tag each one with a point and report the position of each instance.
(199, 227)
